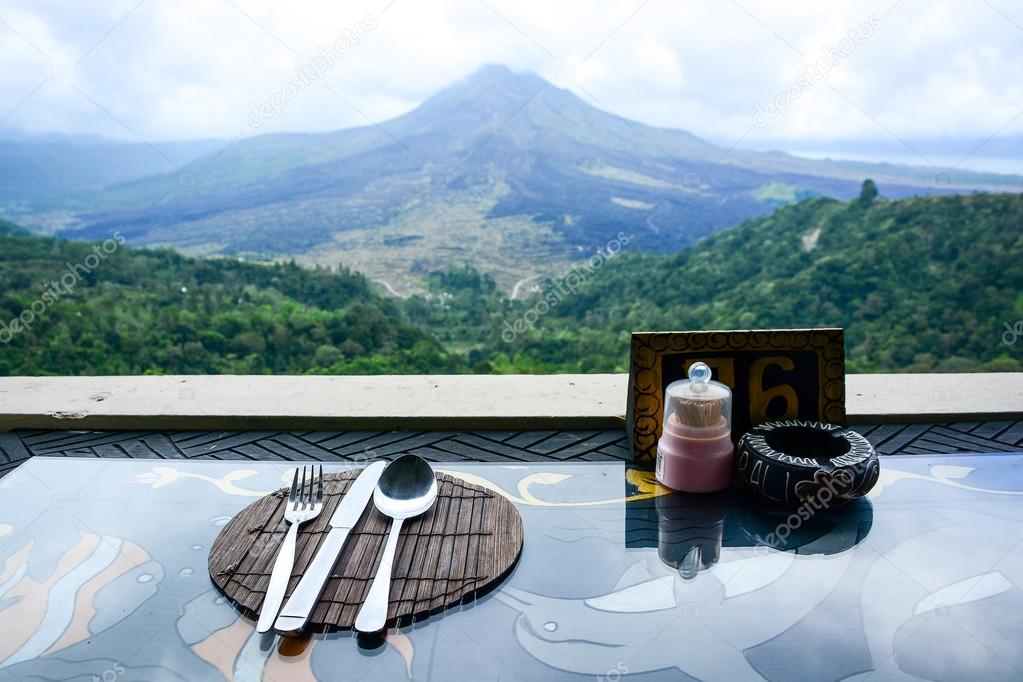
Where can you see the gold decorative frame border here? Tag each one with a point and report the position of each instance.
(645, 408)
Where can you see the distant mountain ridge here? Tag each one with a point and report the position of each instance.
(40, 171)
(501, 170)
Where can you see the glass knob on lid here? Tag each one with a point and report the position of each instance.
(699, 373)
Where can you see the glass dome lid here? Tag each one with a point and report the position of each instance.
(698, 401)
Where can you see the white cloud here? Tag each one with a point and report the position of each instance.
(192, 68)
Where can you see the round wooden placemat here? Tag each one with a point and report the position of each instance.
(465, 543)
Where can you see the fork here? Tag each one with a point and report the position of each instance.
(304, 504)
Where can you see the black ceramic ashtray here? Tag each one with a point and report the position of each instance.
(796, 462)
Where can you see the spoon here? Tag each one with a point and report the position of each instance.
(407, 488)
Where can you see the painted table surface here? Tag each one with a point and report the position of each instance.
(103, 576)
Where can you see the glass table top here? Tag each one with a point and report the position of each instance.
(103, 577)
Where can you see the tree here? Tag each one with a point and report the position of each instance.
(867, 193)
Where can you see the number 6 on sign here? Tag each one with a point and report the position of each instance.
(760, 397)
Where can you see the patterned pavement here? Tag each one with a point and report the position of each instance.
(488, 446)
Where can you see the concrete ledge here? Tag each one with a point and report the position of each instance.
(300, 402)
(438, 402)
(879, 398)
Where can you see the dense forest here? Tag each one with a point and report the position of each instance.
(921, 284)
(75, 308)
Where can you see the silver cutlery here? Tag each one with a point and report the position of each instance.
(296, 611)
(304, 504)
(407, 488)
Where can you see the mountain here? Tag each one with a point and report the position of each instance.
(502, 170)
(72, 308)
(919, 284)
(38, 172)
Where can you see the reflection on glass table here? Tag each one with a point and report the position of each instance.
(103, 575)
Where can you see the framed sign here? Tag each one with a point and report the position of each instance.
(773, 374)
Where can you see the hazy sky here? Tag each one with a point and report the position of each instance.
(163, 69)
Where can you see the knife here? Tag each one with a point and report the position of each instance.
(297, 609)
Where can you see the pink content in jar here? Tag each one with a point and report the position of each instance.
(695, 452)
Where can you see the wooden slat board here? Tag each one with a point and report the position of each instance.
(465, 543)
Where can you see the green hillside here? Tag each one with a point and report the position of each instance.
(134, 312)
(922, 284)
